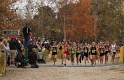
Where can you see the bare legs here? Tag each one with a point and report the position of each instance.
(78, 59)
(54, 58)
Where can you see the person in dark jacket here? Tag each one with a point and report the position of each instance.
(33, 58)
(31, 46)
(12, 45)
(26, 33)
(20, 59)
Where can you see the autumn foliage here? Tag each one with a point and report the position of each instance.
(79, 21)
(8, 17)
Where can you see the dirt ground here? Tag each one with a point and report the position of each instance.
(59, 72)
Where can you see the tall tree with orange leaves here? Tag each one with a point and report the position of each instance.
(79, 22)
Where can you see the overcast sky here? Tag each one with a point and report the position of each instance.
(21, 9)
(21, 6)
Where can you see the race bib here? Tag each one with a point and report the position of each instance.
(107, 49)
(85, 51)
(54, 50)
(78, 51)
(102, 51)
(93, 51)
(72, 51)
(113, 49)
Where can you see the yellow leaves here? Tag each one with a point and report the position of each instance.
(53, 29)
(56, 30)
(48, 27)
(123, 11)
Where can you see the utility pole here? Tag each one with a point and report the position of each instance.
(42, 22)
(64, 29)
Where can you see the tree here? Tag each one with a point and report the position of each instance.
(78, 20)
(8, 16)
(110, 19)
(45, 23)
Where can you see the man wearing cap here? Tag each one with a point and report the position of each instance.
(12, 45)
(26, 33)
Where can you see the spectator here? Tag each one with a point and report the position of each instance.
(20, 59)
(6, 50)
(12, 45)
(26, 33)
(33, 59)
(39, 40)
(31, 46)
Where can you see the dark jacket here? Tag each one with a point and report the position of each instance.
(20, 57)
(30, 47)
(32, 58)
(13, 44)
(26, 31)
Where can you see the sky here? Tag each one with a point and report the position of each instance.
(21, 6)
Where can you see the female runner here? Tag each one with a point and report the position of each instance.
(66, 52)
(107, 51)
(113, 50)
(72, 51)
(78, 54)
(85, 50)
(61, 50)
(54, 52)
(101, 51)
(93, 53)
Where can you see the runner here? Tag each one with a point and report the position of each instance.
(107, 51)
(54, 52)
(117, 50)
(97, 56)
(78, 54)
(98, 52)
(113, 50)
(101, 50)
(93, 53)
(85, 50)
(82, 54)
(72, 51)
(61, 50)
(66, 52)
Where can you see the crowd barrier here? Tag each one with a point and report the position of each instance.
(2, 63)
(121, 59)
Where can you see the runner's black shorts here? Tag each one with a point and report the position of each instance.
(107, 52)
(102, 54)
(77, 54)
(86, 55)
(93, 53)
(54, 53)
(114, 53)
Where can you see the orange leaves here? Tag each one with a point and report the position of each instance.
(8, 16)
(86, 4)
(80, 24)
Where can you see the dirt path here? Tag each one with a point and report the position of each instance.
(64, 73)
(47, 72)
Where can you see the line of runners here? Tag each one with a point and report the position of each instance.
(89, 52)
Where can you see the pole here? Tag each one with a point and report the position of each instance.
(64, 29)
(123, 54)
(42, 20)
(26, 55)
